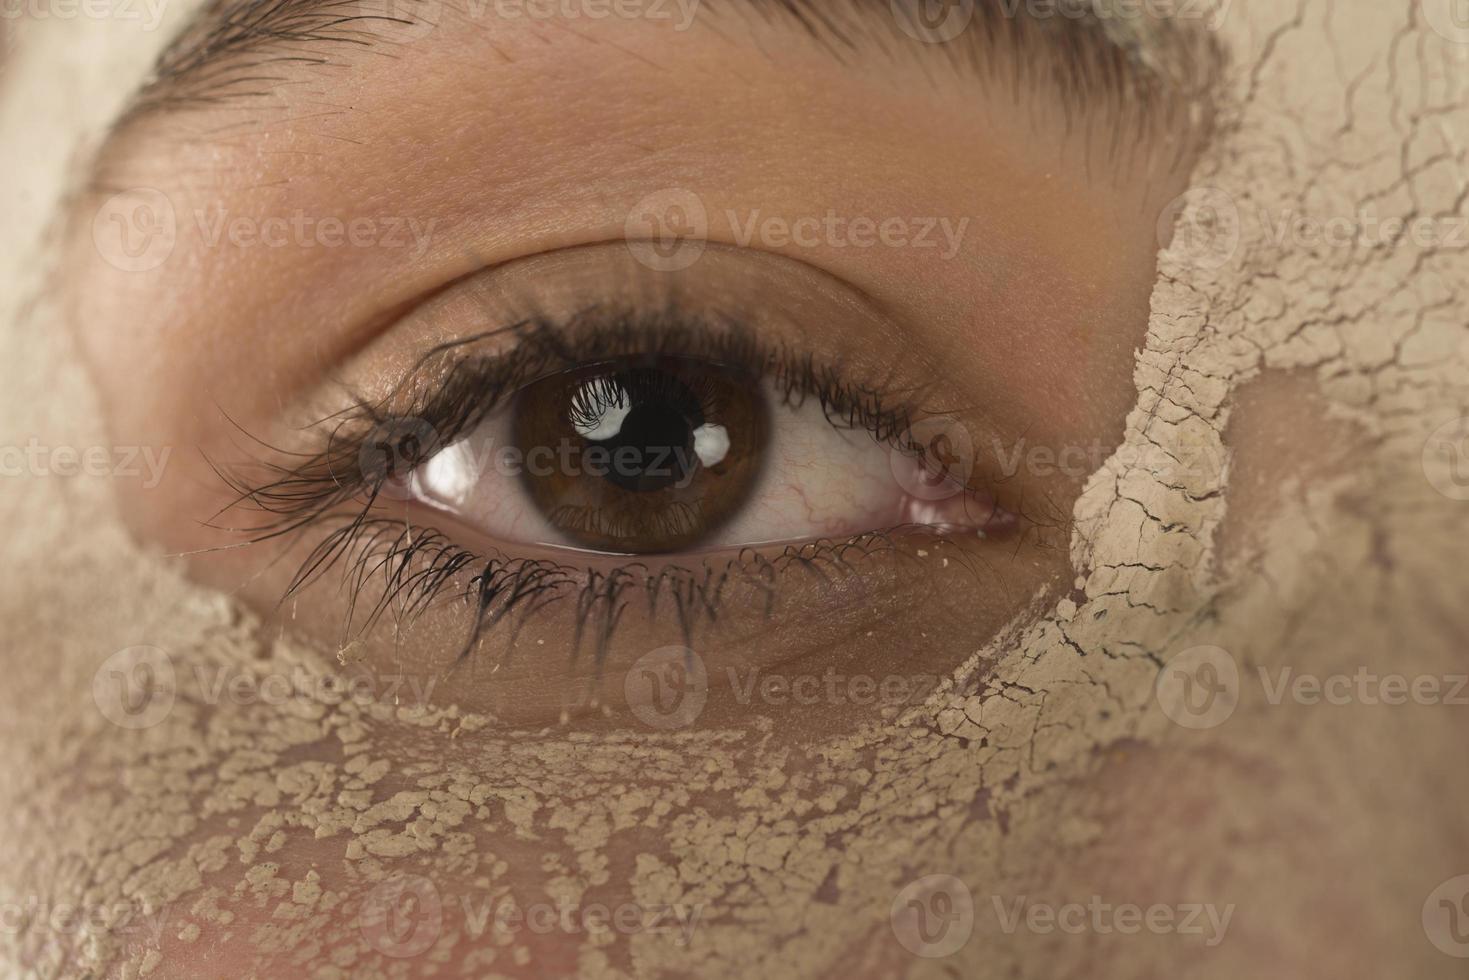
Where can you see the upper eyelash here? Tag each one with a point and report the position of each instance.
(449, 391)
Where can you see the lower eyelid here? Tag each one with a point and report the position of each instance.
(871, 600)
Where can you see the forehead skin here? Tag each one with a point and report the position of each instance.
(1291, 381)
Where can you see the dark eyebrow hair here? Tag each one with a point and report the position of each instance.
(1156, 71)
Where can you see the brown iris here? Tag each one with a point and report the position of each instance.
(641, 455)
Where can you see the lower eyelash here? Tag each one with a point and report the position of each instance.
(415, 567)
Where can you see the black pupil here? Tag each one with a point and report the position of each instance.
(654, 448)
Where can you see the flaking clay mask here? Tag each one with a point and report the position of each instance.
(644, 489)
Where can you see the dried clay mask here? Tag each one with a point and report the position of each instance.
(677, 489)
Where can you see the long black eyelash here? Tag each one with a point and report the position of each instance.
(451, 389)
(414, 568)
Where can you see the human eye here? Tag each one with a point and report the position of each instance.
(572, 436)
(663, 424)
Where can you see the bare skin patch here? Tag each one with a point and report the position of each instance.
(1292, 453)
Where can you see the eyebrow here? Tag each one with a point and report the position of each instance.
(1150, 68)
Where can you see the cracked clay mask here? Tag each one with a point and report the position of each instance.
(742, 488)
